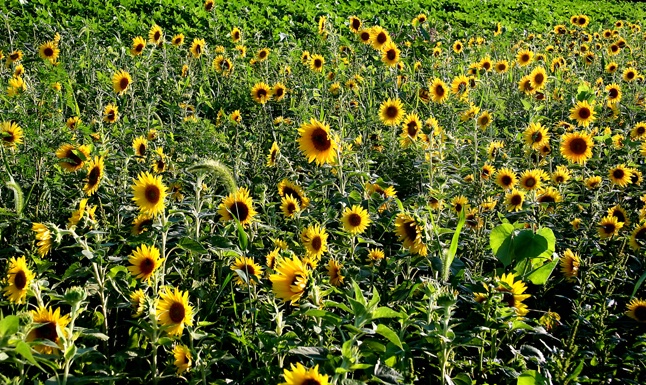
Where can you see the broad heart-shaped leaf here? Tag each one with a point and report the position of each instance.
(500, 241)
(390, 335)
(9, 325)
(528, 245)
(542, 274)
(531, 377)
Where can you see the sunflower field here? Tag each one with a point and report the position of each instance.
(283, 193)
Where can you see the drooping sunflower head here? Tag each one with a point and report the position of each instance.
(570, 263)
(72, 158)
(289, 283)
(11, 134)
(149, 193)
(261, 93)
(19, 280)
(334, 272)
(121, 81)
(44, 238)
(144, 261)
(355, 220)
(174, 311)
(409, 233)
(576, 147)
(237, 205)
(247, 266)
(182, 353)
(138, 302)
(47, 323)
(316, 142)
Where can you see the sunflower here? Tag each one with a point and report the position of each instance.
(524, 57)
(620, 213)
(140, 145)
(173, 310)
(530, 179)
(13, 57)
(576, 147)
(149, 193)
(238, 205)
(593, 182)
(300, 375)
(620, 175)
(19, 279)
(94, 175)
(286, 188)
(144, 260)
(525, 85)
(236, 117)
(316, 142)
(355, 220)
(156, 35)
(314, 240)
(272, 157)
(262, 54)
(11, 134)
(178, 40)
(390, 54)
(236, 35)
(44, 238)
(459, 203)
(636, 310)
(484, 120)
(638, 237)
(249, 268)
(613, 93)
(138, 45)
(501, 66)
(290, 280)
(375, 255)
(514, 200)
(583, 113)
(548, 195)
(138, 302)
(538, 78)
(536, 136)
(487, 171)
(355, 24)
(49, 51)
(612, 67)
(197, 47)
(142, 223)
(570, 263)
(111, 113)
(391, 112)
(289, 205)
(272, 257)
(457, 46)
(364, 36)
(72, 158)
(629, 74)
(410, 129)
(121, 81)
(410, 233)
(513, 293)
(316, 63)
(182, 353)
(50, 322)
(460, 85)
(378, 37)
(609, 226)
(261, 93)
(506, 178)
(639, 131)
(439, 91)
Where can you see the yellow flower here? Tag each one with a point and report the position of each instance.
(111, 113)
(410, 233)
(261, 93)
(290, 281)
(156, 35)
(19, 278)
(138, 302)
(249, 268)
(138, 45)
(513, 293)
(355, 220)
(314, 240)
(316, 63)
(121, 81)
(182, 354)
(273, 155)
(609, 226)
(44, 238)
(391, 112)
(334, 272)
(174, 311)
(197, 47)
(316, 143)
(47, 324)
(11, 134)
(636, 310)
(149, 193)
(144, 261)
(289, 206)
(569, 263)
(583, 113)
(72, 158)
(576, 147)
(238, 205)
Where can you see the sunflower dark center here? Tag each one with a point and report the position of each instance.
(485, 171)
(73, 158)
(316, 243)
(236, 35)
(261, 93)
(177, 312)
(508, 298)
(618, 173)
(198, 49)
(365, 36)
(9, 137)
(486, 65)
(619, 215)
(539, 78)
(640, 313)
(249, 269)
(320, 139)
(262, 54)
(111, 115)
(157, 35)
(506, 180)
(356, 23)
(178, 40)
(410, 228)
(516, 199)
(501, 67)
(152, 194)
(240, 210)
(382, 38)
(578, 146)
(14, 56)
(47, 332)
(613, 93)
(614, 48)
(609, 228)
(439, 90)
(48, 52)
(20, 280)
(484, 120)
(317, 63)
(630, 75)
(537, 137)
(641, 234)
(391, 54)
(530, 182)
(354, 219)
(279, 92)
(123, 83)
(139, 47)
(458, 207)
(412, 129)
(524, 58)
(142, 149)
(161, 165)
(559, 179)
(147, 266)
(458, 47)
(225, 65)
(291, 208)
(641, 130)
(546, 199)
(93, 177)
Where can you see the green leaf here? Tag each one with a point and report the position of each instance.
(9, 325)
(500, 242)
(542, 274)
(638, 284)
(528, 245)
(24, 350)
(192, 245)
(385, 312)
(390, 335)
(453, 249)
(243, 239)
(531, 377)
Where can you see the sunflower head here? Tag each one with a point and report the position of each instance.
(391, 112)
(637, 310)
(72, 158)
(237, 205)
(314, 239)
(182, 353)
(261, 93)
(19, 280)
(513, 293)
(247, 266)
(144, 261)
(149, 193)
(289, 283)
(409, 232)
(355, 220)
(609, 226)
(576, 147)
(121, 81)
(316, 142)
(173, 310)
(11, 134)
(48, 325)
(197, 47)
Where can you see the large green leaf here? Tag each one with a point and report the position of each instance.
(390, 335)
(500, 241)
